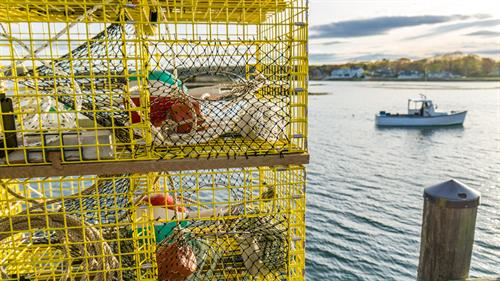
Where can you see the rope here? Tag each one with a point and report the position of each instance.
(88, 239)
(18, 196)
(98, 208)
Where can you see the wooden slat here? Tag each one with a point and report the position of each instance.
(121, 167)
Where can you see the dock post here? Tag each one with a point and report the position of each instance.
(448, 224)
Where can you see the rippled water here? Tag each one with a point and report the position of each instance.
(365, 184)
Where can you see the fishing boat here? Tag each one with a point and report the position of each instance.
(421, 113)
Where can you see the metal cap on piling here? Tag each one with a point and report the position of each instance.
(452, 194)
(448, 223)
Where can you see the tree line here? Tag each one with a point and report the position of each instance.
(456, 63)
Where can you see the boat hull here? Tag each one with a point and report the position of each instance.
(419, 121)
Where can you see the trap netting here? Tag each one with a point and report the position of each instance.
(234, 224)
(154, 93)
(240, 103)
(90, 80)
(204, 225)
(73, 228)
(253, 247)
(69, 96)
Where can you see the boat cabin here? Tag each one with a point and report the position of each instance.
(422, 107)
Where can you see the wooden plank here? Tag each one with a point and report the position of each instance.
(122, 167)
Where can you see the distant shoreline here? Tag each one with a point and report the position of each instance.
(372, 79)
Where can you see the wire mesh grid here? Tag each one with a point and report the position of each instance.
(119, 80)
(77, 228)
(233, 224)
(236, 224)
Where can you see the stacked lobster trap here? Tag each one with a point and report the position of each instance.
(231, 224)
(104, 80)
(109, 84)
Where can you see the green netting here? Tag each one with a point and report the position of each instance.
(225, 248)
(237, 106)
(235, 241)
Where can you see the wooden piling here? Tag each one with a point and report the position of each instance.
(448, 224)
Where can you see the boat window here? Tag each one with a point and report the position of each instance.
(417, 105)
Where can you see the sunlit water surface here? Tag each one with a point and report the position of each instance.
(365, 184)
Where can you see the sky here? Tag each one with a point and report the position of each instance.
(364, 30)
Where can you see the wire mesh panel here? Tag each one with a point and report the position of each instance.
(235, 224)
(108, 80)
(64, 83)
(241, 70)
(74, 228)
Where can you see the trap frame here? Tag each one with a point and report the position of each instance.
(232, 224)
(108, 80)
(110, 85)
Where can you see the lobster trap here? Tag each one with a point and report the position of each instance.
(107, 80)
(232, 224)
(81, 228)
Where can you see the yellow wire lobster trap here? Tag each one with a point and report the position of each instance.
(105, 80)
(231, 224)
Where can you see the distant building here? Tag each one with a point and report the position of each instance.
(410, 75)
(347, 73)
(495, 72)
(441, 75)
(317, 74)
(385, 72)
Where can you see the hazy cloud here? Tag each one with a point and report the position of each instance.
(485, 33)
(457, 26)
(488, 52)
(321, 57)
(381, 25)
(329, 43)
(381, 56)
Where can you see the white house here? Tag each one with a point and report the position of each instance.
(409, 75)
(441, 75)
(347, 73)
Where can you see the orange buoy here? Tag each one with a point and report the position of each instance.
(181, 111)
(175, 262)
(163, 200)
(163, 108)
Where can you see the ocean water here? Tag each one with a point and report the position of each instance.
(365, 184)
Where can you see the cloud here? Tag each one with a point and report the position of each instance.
(488, 52)
(322, 57)
(457, 26)
(328, 43)
(381, 25)
(380, 56)
(485, 33)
